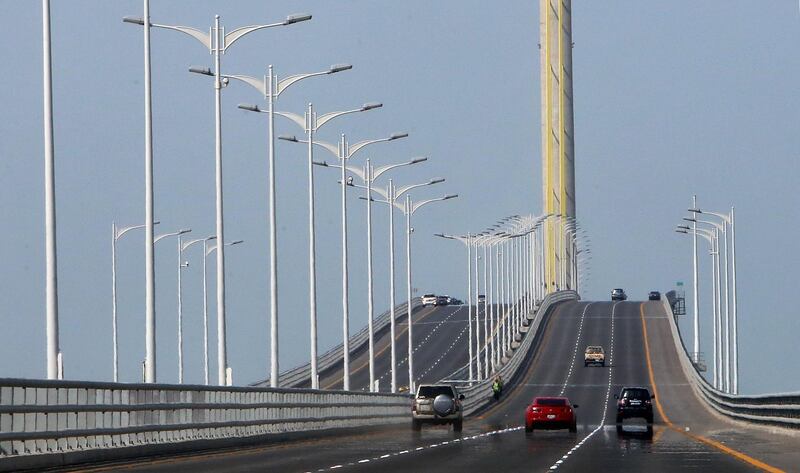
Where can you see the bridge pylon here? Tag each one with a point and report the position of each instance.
(558, 151)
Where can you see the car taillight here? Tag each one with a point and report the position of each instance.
(534, 409)
(623, 402)
(647, 401)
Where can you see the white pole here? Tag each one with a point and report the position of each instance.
(727, 350)
(507, 295)
(485, 313)
(205, 314)
(51, 278)
(696, 295)
(180, 312)
(393, 367)
(345, 304)
(503, 295)
(469, 302)
(714, 312)
(496, 338)
(150, 276)
(222, 356)
(114, 299)
(273, 241)
(370, 308)
(734, 334)
(477, 317)
(490, 303)
(312, 251)
(408, 289)
(720, 377)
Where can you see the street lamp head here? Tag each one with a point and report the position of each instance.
(689, 219)
(184, 230)
(249, 107)
(291, 138)
(370, 106)
(418, 160)
(236, 242)
(681, 231)
(450, 196)
(697, 211)
(206, 71)
(397, 136)
(296, 18)
(437, 180)
(339, 68)
(320, 163)
(133, 19)
(683, 227)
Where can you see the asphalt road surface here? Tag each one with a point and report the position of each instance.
(640, 352)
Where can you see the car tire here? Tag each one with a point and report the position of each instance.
(619, 420)
(573, 428)
(650, 420)
(585, 364)
(528, 429)
(603, 364)
(416, 425)
(619, 429)
(458, 425)
(649, 431)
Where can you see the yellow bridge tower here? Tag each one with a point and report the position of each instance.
(558, 152)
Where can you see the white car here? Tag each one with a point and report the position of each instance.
(429, 299)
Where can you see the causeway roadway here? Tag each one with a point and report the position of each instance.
(640, 352)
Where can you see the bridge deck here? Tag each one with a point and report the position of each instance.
(494, 440)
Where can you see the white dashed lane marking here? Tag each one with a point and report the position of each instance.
(423, 448)
(600, 427)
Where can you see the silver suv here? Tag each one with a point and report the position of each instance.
(437, 404)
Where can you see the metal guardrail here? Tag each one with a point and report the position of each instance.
(781, 410)
(302, 374)
(58, 417)
(478, 394)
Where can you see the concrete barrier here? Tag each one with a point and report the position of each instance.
(782, 410)
(41, 422)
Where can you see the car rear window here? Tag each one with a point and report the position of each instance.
(636, 394)
(429, 295)
(595, 350)
(550, 402)
(433, 391)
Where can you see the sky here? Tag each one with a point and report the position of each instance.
(671, 99)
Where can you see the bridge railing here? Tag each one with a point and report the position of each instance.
(479, 394)
(772, 409)
(302, 374)
(39, 417)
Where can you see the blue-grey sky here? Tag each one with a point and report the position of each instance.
(671, 99)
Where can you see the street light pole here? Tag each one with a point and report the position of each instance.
(217, 43)
(410, 208)
(734, 334)
(116, 234)
(696, 297)
(221, 337)
(271, 88)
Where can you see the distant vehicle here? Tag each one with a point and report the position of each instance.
(481, 299)
(437, 404)
(594, 354)
(618, 295)
(442, 300)
(654, 296)
(455, 301)
(550, 413)
(429, 299)
(449, 299)
(633, 402)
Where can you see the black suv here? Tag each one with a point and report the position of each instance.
(654, 296)
(634, 402)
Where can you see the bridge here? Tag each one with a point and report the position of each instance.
(348, 406)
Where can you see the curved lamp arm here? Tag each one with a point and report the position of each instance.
(416, 206)
(388, 167)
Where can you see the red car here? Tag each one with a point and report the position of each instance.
(550, 413)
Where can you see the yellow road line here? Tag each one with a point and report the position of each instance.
(699, 438)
